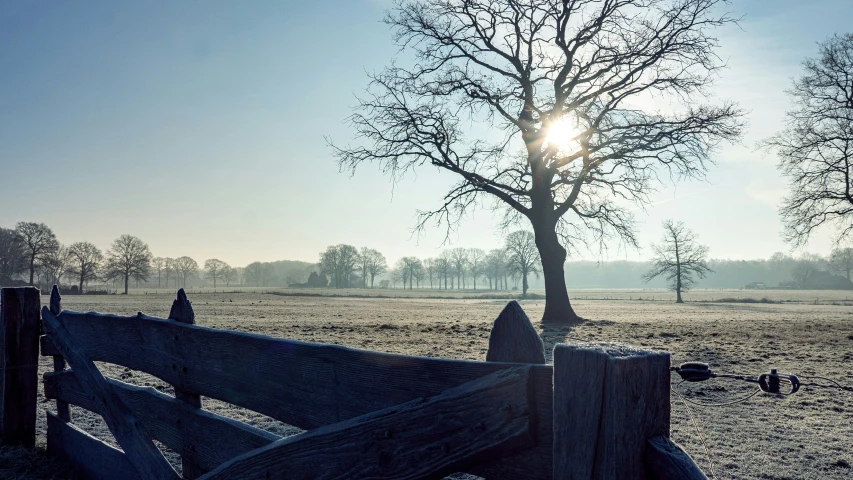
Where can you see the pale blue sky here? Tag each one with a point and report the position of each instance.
(198, 126)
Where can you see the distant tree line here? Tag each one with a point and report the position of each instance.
(30, 254)
(780, 270)
(459, 268)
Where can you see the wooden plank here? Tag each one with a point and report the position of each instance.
(578, 379)
(19, 331)
(632, 388)
(514, 339)
(182, 311)
(424, 438)
(302, 384)
(92, 458)
(667, 461)
(63, 410)
(135, 442)
(203, 437)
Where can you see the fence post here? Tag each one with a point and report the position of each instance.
(609, 401)
(514, 339)
(182, 311)
(63, 410)
(20, 326)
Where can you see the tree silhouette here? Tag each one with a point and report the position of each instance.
(229, 274)
(459, 259)
(496, 266)
(841, 261)
(38, 240)
(534, 106)
(815, 149)
(372, 264)
(128, 258)
(444, 267)
(339, 262)
(476, 263)
(257, 273)
(523, 256)
(86, 259)
(159, 264)
(679, 258)
(214, 269)
(55, 263)
(170, 269)
(186, 268)
(12, 255)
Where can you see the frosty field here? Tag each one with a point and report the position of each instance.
(803, 436)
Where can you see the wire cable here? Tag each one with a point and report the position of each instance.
(677, 390)
(699, 432)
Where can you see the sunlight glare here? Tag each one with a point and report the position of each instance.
(563, 134)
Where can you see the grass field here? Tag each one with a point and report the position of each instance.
(804, 436)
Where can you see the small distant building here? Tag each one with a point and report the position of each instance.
(756, 286)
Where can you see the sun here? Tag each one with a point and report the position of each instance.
(564, 135)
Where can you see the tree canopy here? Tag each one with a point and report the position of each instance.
(538, 108)
(815, 148)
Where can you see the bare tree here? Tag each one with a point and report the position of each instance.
(418, 272)
(254, 273)
(445, 265)
(371, 263)
(377, 266)
(363, 260)
(680, 258)
(806, 268)
(815, 149)
(13, 259)
(339, 262)
(128, 258)
(841, 261)
(476, 263)
(431, 270)
(548, 91)
(459, 259)
(38, 240)
(401, 272)
(495, 266)
(523, 256)
(214, 269)
(86, 259)
(171, 270)
(55, 263)
(409, 269)
(229, 274)
(186, 268)
(159, 264)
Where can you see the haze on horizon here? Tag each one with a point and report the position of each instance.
(199, 127)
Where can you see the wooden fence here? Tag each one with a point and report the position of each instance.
(600, 411)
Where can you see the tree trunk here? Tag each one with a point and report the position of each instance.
(558, 308)
(677, 272)
(32, 267)
(524, 285)
(126, 280)
(81, 282)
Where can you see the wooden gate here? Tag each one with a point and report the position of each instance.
(601, 411)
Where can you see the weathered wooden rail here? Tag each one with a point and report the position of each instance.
(601, 411)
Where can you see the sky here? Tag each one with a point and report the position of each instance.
(201, 126)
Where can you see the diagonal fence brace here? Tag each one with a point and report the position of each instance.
(425, 438)
(136, 443)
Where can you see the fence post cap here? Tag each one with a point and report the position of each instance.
(613, 350)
